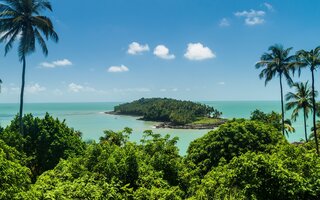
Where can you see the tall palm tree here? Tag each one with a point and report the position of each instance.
(300, 100)
(277, 62)
(21, 20)
(311, 59)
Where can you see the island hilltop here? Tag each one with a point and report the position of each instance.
(172, 113)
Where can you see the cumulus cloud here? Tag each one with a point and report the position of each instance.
(224, 22)
(252, 17)
(117, 69)
(162, 51)
(57, 63)
(196, 51)
(35, 88)
(136, 48)
(73, 87)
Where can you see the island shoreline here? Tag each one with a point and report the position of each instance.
(169, 125)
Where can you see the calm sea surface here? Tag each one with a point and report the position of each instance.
(90, 119)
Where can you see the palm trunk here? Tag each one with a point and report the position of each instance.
(282, 108)
(22, 94)
(314, 113)
(305, 124)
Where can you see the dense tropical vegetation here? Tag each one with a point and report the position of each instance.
(21, 20)
(242, 159)
(167, 110)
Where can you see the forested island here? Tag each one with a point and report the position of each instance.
(172, 113)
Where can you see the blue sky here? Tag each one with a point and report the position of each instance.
(121, 50)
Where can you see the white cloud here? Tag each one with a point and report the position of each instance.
(73, 87)
(196, 51)
(224, 22)
(35, 88)
(162, 51)
(117, 69)
(64, 62)
(47, 65)
(175, 90)
(268, 6)
(136, 48)
(221, 83)
(251, 13)
(252, 17)
(57, 63)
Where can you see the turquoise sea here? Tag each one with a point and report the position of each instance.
(90, 119)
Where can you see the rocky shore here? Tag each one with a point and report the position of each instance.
(174, 126)
(191, 126)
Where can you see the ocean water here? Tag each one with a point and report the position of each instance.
(90, 119)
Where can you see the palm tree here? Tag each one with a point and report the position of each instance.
(21, 20)
(300, 100)
(0, 85)
(288, 128)
(277, 62)
(311, 59)
(312, 130)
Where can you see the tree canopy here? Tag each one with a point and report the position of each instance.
(242, 159)
(167, 110)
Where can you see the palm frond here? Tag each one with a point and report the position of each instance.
(41, 41)
(21, 21)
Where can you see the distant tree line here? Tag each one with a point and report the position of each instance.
(167, 110)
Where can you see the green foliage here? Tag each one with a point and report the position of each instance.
(243, 159)
(71, 180)
(231, 139)
(290, 173)
(167, 110)
(14, 177)
(117, 138)
(207, 120)
(271, 118)
(155, 193)
(110, 171)
(45, 141)
(163, 155)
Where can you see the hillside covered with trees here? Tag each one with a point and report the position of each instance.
(174, 111)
